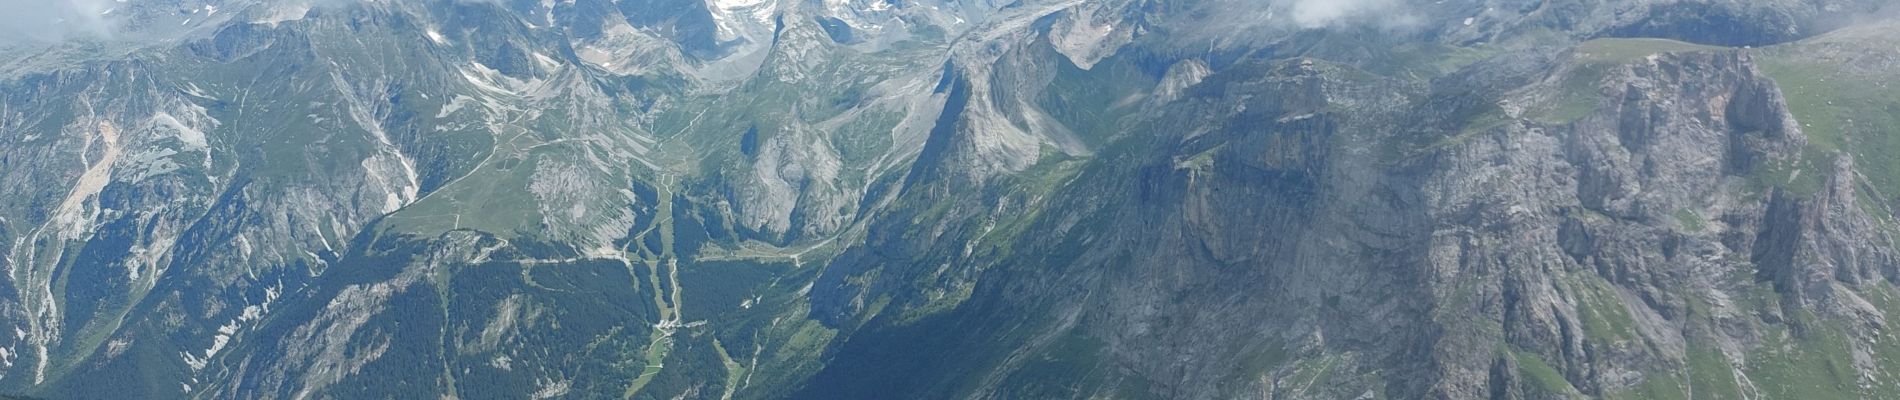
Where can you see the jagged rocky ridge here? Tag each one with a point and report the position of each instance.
(1036, 199)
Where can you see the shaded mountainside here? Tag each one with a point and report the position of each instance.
(1040, 199)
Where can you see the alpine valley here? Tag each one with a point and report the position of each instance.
(917, 199)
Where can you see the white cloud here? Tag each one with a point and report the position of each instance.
(1313, 14)
(1334, 14)
(56, 20)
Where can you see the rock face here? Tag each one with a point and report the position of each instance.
(1041, 199)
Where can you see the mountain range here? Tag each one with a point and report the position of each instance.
(828, 199)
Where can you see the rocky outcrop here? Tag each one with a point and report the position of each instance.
(1322, 232)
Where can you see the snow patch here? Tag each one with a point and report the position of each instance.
(455, 104)
(480, 83)
(547, 63)
(192, 89)
(193, 138)
(217, 344)
(552, 389)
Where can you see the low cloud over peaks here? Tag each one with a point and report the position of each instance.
(1313, 14)
(55, 20)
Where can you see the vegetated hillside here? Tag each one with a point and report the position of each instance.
(1038, 199)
